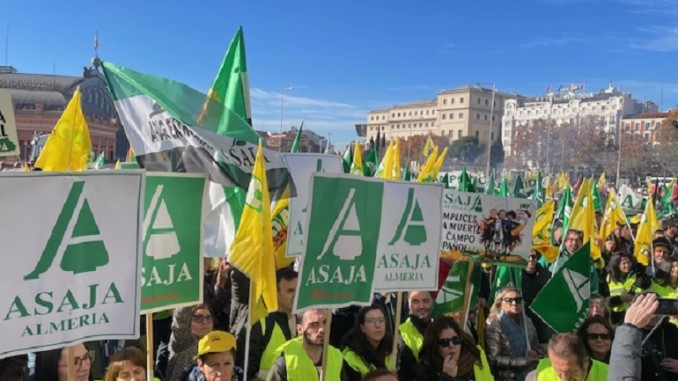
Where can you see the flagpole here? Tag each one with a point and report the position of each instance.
(467, 305)
(396, 332)
(467, 292)
(70, 363)
(149, 346)
(527, 337)
(248, 330)
(326, 345)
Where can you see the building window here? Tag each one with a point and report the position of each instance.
(485, 117)
(393, 115)
(451, 101)
(637, 126)
(444, 116)
(647, 137)
(461, 100)
(493, 118)
(398, 115)
(451, 115)
(487, 101)
(461, 115)
(458, 134)
(492, 136)
(647, 126)
(627, 126)
(477, 116)
(444, 101)
(478, 100)
(433, 112)
(477, 134)
(410, 113)
(420, 125)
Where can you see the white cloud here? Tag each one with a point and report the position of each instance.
(659, 39)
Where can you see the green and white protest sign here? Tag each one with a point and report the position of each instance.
(9, 143)
(70, 263)
(337, 267)
(409, 240)
(171, 275)
(489, 228)
(366, 235)
(301, 166)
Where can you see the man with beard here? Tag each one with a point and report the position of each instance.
(412, 332)
(301, 357)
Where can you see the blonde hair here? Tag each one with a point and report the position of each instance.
(496, 306)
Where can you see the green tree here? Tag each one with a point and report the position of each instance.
(465, 149)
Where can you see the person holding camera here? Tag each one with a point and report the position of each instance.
(659, 360)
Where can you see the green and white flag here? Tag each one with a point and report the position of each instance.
(565, 205)
(73, 274)
(171, 276)
(629, 200)
(505, 276)
(9, 142)
(451, 296)
(99, 162)
(564, 302)
(362, 237)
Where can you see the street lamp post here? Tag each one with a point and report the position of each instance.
(282, 108)
(621, 116)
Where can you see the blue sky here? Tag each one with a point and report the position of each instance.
(344, 58)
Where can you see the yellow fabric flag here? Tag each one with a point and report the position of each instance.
(25, 167)
(583, 217)
(117, 165)
(384, 169)
(252, 249)
(68, 146)
(428, 147)
(439, 162)
(357, 164)
(562, 181)
(280, 219)
(396, 162)
(541, 232)
(427, 173)
(602, 181)
(612, 215)
(642, 249)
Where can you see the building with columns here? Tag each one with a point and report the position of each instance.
(40, 99)
(569, 106)
(464, 111)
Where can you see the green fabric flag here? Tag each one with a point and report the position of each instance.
(564, 302)
(347, 159)
(465, 184)
(231, 86)
(295, 142)
(450, 298)
(407, 176)
(506, 276)
(503, 188)
(489, 186)
(539, 193)
(565, 205)
(370, 163)
(518, 188)
(595, 195)
(99, 162)
(445, 181)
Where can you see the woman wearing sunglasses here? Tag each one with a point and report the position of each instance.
(51, 365)
(597, 335)
(448, 353)
(189, 325)
(510, 353)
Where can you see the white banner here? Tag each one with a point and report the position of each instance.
(496, 228)
(9, 143)
(409, 238)
(301, 166)
(70, 262)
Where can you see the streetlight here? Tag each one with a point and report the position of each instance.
(489, 133)
(282, 107)
(621, 116)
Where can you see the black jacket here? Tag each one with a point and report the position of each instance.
(532, 284)
(407, 363)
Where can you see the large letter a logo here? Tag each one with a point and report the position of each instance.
(75, 238)
(412, 222)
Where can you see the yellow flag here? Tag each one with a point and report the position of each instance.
(25, 167)
(563, 181)
(439, 162)
(68, 146)
(252, 249)
(428, 147)
(602, 181)
(396, 162)
(642, 249)
(541, 232)
(117, 165)
(357, 164)
(427, 173)
(280, 219)
(583, 217)
(612, 215)
(384, 169)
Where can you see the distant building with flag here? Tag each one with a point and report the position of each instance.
(39, 100)
(569, 107)
(463, 111)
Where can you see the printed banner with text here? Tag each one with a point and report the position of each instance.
(70, 263)
(486, 228)
(9, 143)
(367, 235)
(171, 275)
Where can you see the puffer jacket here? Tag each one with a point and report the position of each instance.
(504, 363)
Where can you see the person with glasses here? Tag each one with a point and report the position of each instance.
(450, 354)
(368, 345)
(597, 334)
(568, 360)
(128, 364)
(189, 325)
(624, 280)
(51, 365)
(511, 351)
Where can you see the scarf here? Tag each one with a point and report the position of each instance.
(515, 333)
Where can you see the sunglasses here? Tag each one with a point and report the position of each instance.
(598, 336)
(446, 342)
(518, 300)
(202, 319)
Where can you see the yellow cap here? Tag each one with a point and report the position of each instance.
(216, 342)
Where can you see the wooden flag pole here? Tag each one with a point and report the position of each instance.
(396, 332)
(467, 293)
(70, 363)
(149, 347)
(248, 330)
(326, 345)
